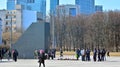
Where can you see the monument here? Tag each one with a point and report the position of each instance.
(36, 37)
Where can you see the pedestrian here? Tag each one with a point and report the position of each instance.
(41, 58)
(83, 54)
(108, 54)
(77, 53)
(36, 54)
(103, 55)
(99, 55)
(94, 54)
(8, 55)
(61, 53)
(88, 54)
(15, 55)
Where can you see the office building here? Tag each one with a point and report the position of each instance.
(86, 6)
(68, 10)
(98, 8)
(53, 5)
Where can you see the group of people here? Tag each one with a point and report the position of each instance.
(9, 54)
(98, 55)
(85, 54)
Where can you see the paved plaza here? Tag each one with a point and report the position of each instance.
(110, 62)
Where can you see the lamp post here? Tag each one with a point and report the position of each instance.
(0, 31)
(11, 32)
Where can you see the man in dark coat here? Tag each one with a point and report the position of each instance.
(95, 54)
(15, 55)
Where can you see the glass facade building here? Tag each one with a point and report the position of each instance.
(86, 6)
(34, 5)
(98, 8)
(53, 5)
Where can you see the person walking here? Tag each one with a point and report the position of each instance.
(41, 58)
(15, 55)
(8, 55)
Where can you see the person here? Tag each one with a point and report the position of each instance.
(15, 55)
(41, 58)
(8, 55)
(103, 55)
(99, 55)
(61, 53)
(77, 53)
(35, 54)
(108, 54)
(1, 54)
(88, 54)
(94, 54)
(83, 54)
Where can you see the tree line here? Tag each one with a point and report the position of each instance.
(99, 30)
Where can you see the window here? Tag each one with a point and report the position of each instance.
(6, 23)
(6, 17)
(30, 1)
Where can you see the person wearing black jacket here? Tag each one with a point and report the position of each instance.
(41, 57)
(15, 55)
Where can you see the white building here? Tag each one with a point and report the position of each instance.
(21, 19)
(0, 31)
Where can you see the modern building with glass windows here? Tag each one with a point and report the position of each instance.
(68, 10)
(34, 5)
(53, 5)
(86, 6)
(98, 8)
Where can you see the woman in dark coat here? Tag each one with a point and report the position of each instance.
(41, 58)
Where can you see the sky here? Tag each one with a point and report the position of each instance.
(107, 4)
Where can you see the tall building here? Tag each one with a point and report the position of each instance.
(98, 8)
(11, 4)
(0, 31)
(68, 10)
(86, 6)
(34, 5)
(53, 5)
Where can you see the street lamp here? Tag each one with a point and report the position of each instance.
(11, 31)
(0, 31)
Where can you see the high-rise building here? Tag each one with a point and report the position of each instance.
(0, 31)
(53, 5)
(98, 8)
(68, 10)
(34, 5)
(11, 4)
(86, 6)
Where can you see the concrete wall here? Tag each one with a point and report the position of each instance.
(35, 37)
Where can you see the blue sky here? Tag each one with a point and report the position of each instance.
(107, 4)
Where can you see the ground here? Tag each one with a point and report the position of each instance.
(110, 62)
